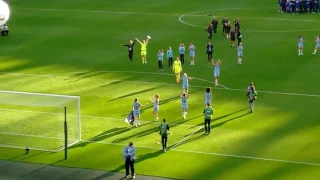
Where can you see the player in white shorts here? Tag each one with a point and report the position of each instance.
(156, 106)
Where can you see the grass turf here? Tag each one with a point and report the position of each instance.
(79, 44)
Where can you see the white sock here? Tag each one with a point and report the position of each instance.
(240, 60)
(314, 51)
(299, 51)
(216, 81)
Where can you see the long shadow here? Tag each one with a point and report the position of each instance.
(221, 117)
(134, 93)
(188, 141)
(139, 159)
(224, 122)
(152, 130)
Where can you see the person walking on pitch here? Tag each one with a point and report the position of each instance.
(177, 68)
(252, 96)
(155, 106)
(129, 153)
(207, 112)
(164, 130)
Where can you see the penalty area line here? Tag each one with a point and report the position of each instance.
(211, 153)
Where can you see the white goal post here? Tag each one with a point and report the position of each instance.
(36, 120)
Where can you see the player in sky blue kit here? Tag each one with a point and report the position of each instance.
(240, 52)
(192, 52)
(136, 111)
(207, 96)
(155, 106)
(182, 51)
(300, 45)
(317, 44)
(216, 71)
(184, 104)
(185, 83)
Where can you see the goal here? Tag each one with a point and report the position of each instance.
(36, 121)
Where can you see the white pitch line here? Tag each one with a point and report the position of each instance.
(214, 154)
(162, 14)
(167, 84)
(178, 143)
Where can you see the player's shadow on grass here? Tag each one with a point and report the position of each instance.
(105, 135)
(134, 93)
(221, 117)
(71, 78)
(188, 141)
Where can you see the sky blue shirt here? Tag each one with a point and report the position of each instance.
(170, 53)
(182, 49)
(131, 151)
(160, 56)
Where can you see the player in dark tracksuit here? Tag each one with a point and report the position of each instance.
(209, 30)
(224, 25)
(164, 128)
(130, 48)
(239, 36)
(209, 48)
(214, 23)
(236, 24)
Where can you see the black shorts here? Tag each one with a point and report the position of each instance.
(233, 38)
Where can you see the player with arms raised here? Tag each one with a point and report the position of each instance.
(207, 96)
(216, 71)
(177, 68)
(155, 106)
(144, 44)
(240, 52)
(317, 44)
(184, 104)
(136, 111)
(185, 82)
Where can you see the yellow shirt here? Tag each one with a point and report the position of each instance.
(143, 46)
(177, 66)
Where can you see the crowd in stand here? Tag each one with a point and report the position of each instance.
(298, 6)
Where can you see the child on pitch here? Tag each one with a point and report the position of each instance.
(136, 111)
(144, 44)
(207, 96)
(184, 104)
(317, 44)
(155, 106)
(177, 68)
(216, 71)
(185, 82)
(240, 52)
(192, 52)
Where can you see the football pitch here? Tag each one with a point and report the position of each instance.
(73, 47)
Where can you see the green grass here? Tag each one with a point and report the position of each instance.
(74, 48)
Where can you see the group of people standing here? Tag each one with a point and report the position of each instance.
(298, 6)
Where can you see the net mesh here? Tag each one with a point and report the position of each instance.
(36, 121)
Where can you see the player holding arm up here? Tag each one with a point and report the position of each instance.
(207, 96)
(130, 48)
(177, 68)
(185, 82)
(184, 104)
(136, 111)
(144, 44)
(317, 44)
(155, 106)
(216, 71)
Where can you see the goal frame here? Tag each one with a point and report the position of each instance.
(77, 98)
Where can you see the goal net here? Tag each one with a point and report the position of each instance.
(36, 120)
